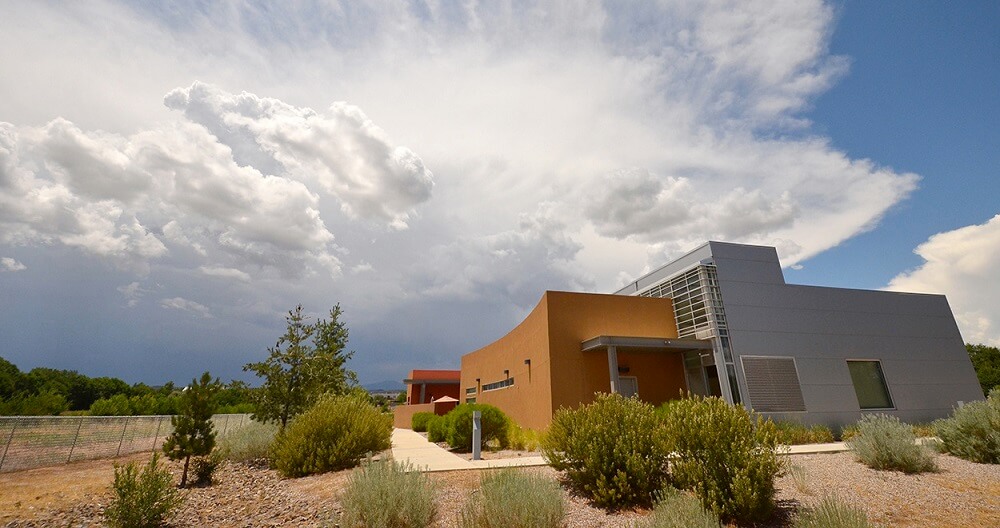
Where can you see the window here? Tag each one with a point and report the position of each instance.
(470, 390)
(498, 384)
(869, 384)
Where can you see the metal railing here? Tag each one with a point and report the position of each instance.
(37, 441)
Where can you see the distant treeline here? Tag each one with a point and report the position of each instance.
(50, 392)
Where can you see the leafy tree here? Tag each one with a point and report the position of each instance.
(10, 379)
(194, 434)
(986, 361)
(306, 362)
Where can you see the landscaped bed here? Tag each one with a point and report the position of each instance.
(961, 494)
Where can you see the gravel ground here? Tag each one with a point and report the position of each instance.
(960, 494)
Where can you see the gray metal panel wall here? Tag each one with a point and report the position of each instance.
(914, 336)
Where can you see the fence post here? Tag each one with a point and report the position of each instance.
(156, 435)
(122, 439)
(70, 457)
(10, 438)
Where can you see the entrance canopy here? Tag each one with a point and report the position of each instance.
(645, 343)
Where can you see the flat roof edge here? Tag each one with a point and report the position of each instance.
(605, 341)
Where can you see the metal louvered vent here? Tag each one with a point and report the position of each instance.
(773, 384)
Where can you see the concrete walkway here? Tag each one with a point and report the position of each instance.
(408, 446)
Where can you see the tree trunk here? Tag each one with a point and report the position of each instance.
(184, 475)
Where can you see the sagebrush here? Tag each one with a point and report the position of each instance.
(883, 442)
(832, 513)
(679, 510)
(972, 432)
(521, 439)
(386, 494)
(724, 454)
(249, 443)
(512, 498)
(335, 433)
(609, 450)
(142, 498)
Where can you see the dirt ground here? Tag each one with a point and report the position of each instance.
(960, 494)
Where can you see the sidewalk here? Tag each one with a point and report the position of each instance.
(408, 446)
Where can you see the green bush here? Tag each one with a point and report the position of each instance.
(142, 499)
(248, 443)
(459, 426)
(387, 494)
(794, 433)
(831, 513)
(510, 498)
(335, 433)
(437, 429)
(521, 439)
(973, 431)
(725, 455)
(883, 442)
(679, 510)
(419, 421)
(608, 450)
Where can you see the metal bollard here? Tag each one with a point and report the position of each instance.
(477, 434)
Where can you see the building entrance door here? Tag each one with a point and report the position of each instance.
(628, 386)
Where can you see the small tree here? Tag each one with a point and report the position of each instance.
(306, 362)
(193, 433)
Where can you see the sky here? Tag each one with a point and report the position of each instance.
(175, 177)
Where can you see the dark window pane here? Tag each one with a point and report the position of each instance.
(869, 384)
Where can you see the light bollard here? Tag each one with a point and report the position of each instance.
(477, 434)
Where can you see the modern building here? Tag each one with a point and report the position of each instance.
(425, 386)
(721, 321)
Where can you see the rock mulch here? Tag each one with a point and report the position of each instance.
(960, 494)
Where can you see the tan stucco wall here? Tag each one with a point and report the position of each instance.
(529, 401)
(562, 375)
(577, 317)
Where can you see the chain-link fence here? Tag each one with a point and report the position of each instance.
(36, 441)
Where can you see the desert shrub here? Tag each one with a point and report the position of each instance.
(248, 443)
(437, 429)
(922, 430)
(883, 442)
(522, 439)
(143, 498)
(514, 498)
(794, 433)
(677, 509)
(335, 433)
(972, 432)
(387, 494)
(459, 426)
(724, 454)
(799, 478)
(204, 467)
(848, 432)
(831, 513)
(419, 421)
(608, 450)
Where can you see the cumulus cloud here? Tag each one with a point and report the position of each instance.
(515, 265)
(184, 305)
(9, 264)
(351, 157)
(962, 264)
